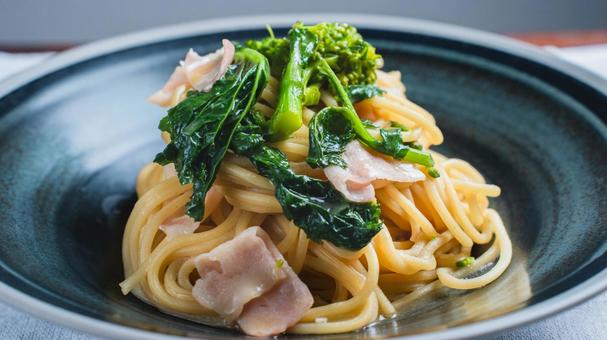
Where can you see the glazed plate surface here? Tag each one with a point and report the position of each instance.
(75, 131)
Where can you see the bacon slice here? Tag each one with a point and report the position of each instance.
(247, 280)
(181, 225)
(355, 182)
(203, 72)
(277, 310)
(195, 71)
(235, 273)
(164, 96)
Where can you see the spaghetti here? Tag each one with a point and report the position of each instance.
(430, 227)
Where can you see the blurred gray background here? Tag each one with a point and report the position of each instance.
(39, 22)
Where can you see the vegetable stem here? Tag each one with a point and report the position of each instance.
(311, 95)
(391, 144)
(418, 157)
(288, 116)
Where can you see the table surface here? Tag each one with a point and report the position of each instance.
(586, 321)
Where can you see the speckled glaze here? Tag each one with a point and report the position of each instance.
(75, 132)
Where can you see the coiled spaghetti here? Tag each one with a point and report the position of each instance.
(429, 226)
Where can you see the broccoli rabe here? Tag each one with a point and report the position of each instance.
(288, 115)
(390, 143)
(339, 45)
(328, 57)
(275, 49)
(352, 58)
(334, 55)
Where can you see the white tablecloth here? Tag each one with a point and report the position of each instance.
(586, 321)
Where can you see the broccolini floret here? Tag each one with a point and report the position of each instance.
(465, 262)
(275, 49)
(352, 58)
(295, 60)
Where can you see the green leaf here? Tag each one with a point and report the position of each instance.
(202, 125)
(330, 132)
(398, 125)
(313, 205)
(391, 143)
(368, 124)
(358, 93)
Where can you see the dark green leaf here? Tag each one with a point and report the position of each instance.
(358, 93)
(202, 125)
(368, 124)
(330, 132)
(398, 125)
(391, 143)
(313, 205)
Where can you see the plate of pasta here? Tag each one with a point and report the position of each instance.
(303, 176)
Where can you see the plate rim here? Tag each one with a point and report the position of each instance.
(568, 298)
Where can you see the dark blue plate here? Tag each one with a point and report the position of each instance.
(75, 131)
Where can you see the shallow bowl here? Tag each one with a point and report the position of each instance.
(75, 131)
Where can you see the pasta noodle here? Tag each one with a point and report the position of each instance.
(429, 226)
